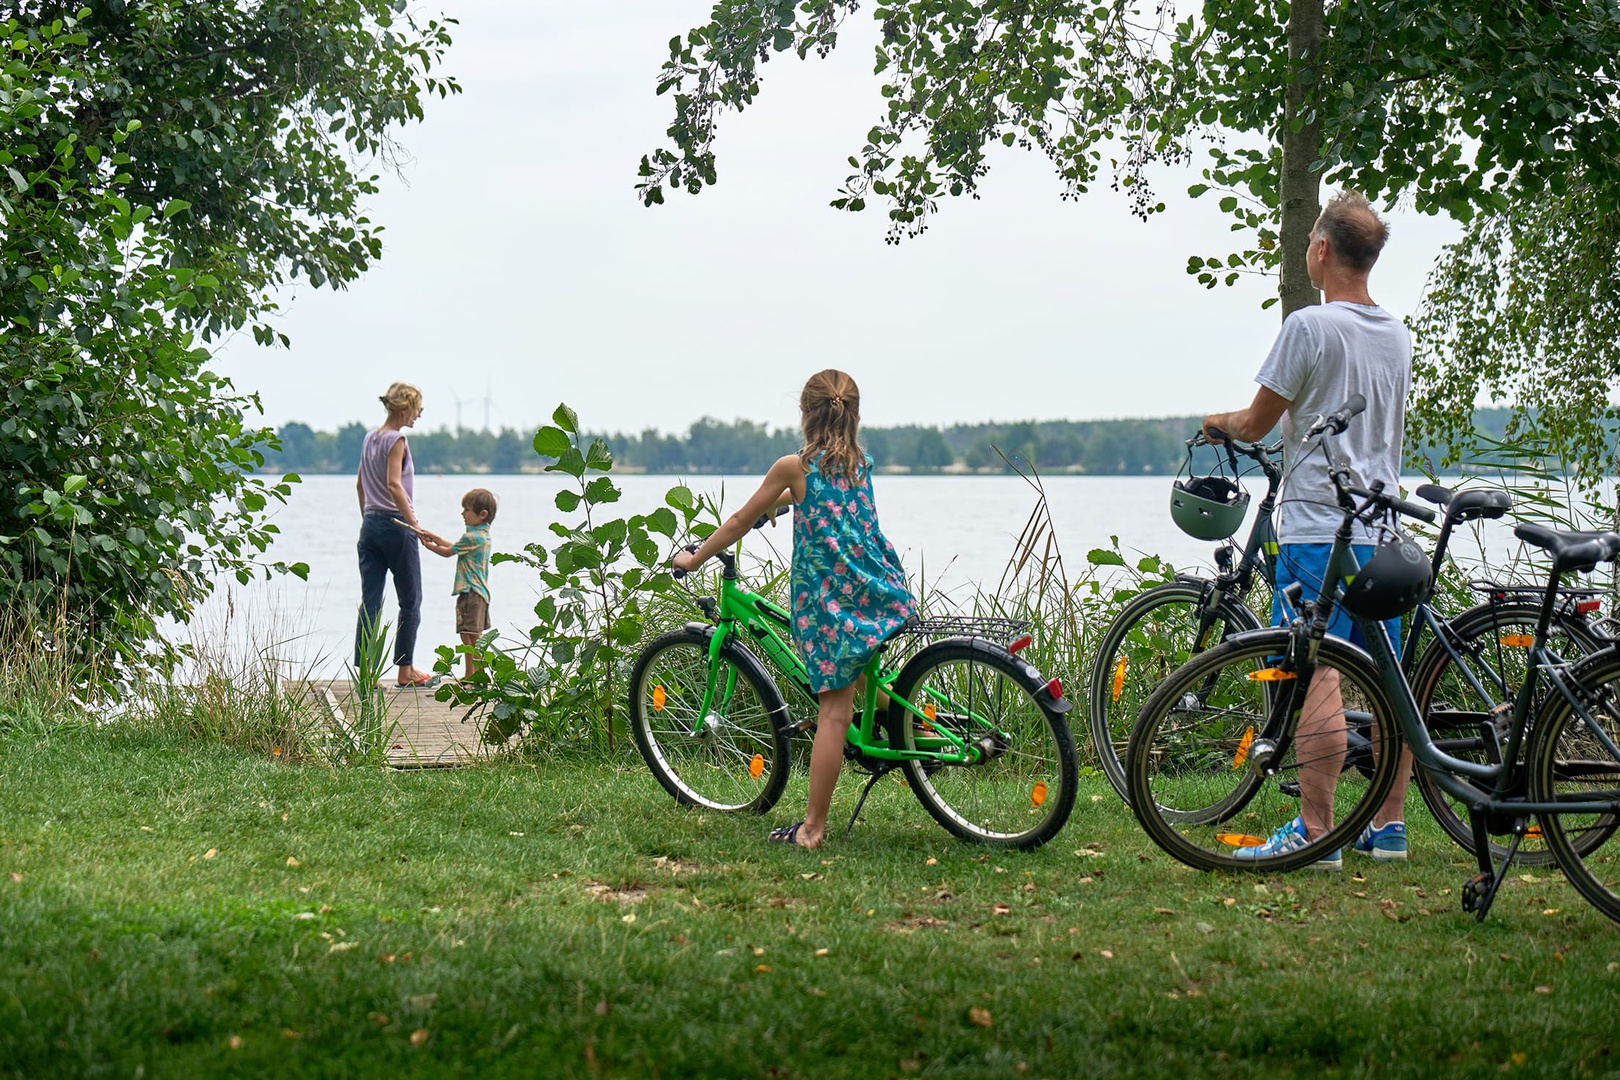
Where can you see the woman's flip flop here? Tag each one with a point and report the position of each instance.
(787, 834)
(423, 683)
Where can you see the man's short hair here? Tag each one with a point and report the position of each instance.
(480, 501)
(1353, 229)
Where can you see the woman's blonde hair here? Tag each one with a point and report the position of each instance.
(830, 412)
(401, 397)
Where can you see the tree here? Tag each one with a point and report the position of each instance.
(162, 164)
(1464, 108)
(930, 453)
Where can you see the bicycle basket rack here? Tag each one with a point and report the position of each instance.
(988, 627)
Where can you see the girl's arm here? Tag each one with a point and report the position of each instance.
(396, 486)
(783, 486)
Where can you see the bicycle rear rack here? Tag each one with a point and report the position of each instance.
(988, 627)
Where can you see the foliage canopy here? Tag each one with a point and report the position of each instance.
(162, 165)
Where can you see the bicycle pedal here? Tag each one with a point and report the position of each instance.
(1289, 788)
(1475, 891)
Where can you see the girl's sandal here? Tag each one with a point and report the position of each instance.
(787, 834)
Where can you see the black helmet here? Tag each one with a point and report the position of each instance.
(1208, 507)
(1394, 581)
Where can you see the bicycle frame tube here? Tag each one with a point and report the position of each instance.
(765, 623)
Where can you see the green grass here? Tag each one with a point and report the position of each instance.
(568, 919)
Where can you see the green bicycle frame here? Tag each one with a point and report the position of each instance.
(753, 617)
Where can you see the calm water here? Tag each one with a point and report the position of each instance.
(952, 532)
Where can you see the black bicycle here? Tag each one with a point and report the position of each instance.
(1219, 744)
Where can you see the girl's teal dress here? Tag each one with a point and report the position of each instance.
(849, 593)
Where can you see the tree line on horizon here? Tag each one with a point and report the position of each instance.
(1127, 447)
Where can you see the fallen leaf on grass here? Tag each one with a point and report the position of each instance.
(1205, 928)
(342, 946)
(234, 1042)
(1520, 1057)
(1543, 989)
(386, 958)
(1001, 909)
(822, 952)
(210, 853)
(931, 861)
(303, 916)
(291, 861)
(757, 950)
(423, 1000)
(603, 1008)
(1163, 911)
(630, 918)
(815, 991)
(811, 877)
(1614, 965)
(289, 1033)
(1551, 911)
(379, 1019)
(760, 969)
(980, 1017)
(16, 876)
(419, 1037)
(1106, 954)
(148, 828)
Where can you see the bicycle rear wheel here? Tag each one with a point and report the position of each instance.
(1152, 635)
(1020, 792)
(1455, 695)
(732, 757)
(1201, 780)
(1577, 757)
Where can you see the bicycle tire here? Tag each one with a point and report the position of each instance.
(1451, 707)
(1568, 762)
(1195, 747)
(738, 759)
(1149, 638)
(1021, 795)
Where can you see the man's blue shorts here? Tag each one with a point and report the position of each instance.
(1307, 564)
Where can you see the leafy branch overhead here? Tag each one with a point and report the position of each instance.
(1460, 107)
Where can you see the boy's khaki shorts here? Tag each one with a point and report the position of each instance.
(472, 613)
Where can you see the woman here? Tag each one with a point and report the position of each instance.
(385, 484)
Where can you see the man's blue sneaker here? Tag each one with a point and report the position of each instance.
(1290, 837)
(1386, 844)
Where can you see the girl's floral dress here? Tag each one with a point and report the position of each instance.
(849, 593)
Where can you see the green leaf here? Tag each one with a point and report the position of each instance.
(568, 501)
(1104, 557)
(598, 456)
(566, 419)
(173, 207)
(601, 490)
(550, 442)
(571, 462)
(681, 498)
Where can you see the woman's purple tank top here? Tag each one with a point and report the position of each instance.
(374, 470)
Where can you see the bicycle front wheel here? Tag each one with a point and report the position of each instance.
(731, 756)
(1020, 790)
(1211, 774)
(1154, 634)
(1456, 693)
(1575, 756)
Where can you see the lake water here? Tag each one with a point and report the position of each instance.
(952, 532)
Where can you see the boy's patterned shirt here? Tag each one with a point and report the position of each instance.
(472, 561)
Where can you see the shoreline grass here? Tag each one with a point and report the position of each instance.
(174, 909)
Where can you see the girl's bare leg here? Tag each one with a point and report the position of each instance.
(826, 761)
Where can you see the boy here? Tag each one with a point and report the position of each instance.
(472, 567)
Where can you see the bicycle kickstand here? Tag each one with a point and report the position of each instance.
(865, 791)
(1479, 891)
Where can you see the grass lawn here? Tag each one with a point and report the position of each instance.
(175, 912)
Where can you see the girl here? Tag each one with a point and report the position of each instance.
(849, 594)
(385, 486)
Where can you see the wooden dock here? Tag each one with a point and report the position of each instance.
(421, 732)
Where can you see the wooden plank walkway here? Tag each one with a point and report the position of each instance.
(423, 732)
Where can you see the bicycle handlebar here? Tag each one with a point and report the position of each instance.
(1338, 420)
(1250, 450)
(764, 519)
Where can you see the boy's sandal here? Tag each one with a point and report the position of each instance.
(423, 682)
(787, 834)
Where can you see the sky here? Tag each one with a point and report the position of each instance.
(520, 270)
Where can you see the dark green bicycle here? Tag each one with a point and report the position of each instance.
(979, 733)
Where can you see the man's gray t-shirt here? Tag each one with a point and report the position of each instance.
(1324, 354)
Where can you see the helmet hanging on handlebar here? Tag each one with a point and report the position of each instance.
(1208, 507)
(1394, 581)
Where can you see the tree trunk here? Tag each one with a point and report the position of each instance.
(1300, 187)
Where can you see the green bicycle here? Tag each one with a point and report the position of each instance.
(979, 734)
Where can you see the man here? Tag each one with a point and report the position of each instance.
(1325, 353)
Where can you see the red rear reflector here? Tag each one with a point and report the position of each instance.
(1055, 688)
(1586, 607)
(1021, 643)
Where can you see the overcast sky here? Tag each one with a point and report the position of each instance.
(520, 269)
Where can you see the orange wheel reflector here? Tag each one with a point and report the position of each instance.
(1533, 832)
(930, 711)
(1119, 676)
(1244, 743)
(1271, 674)
(1037, 794)
(1239, 839)
(659, 697)
(756, 766)
(1517, 641)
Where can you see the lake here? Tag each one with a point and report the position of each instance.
(952, 533)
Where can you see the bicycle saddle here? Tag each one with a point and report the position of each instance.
(1476, 503)
(1571, 550)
